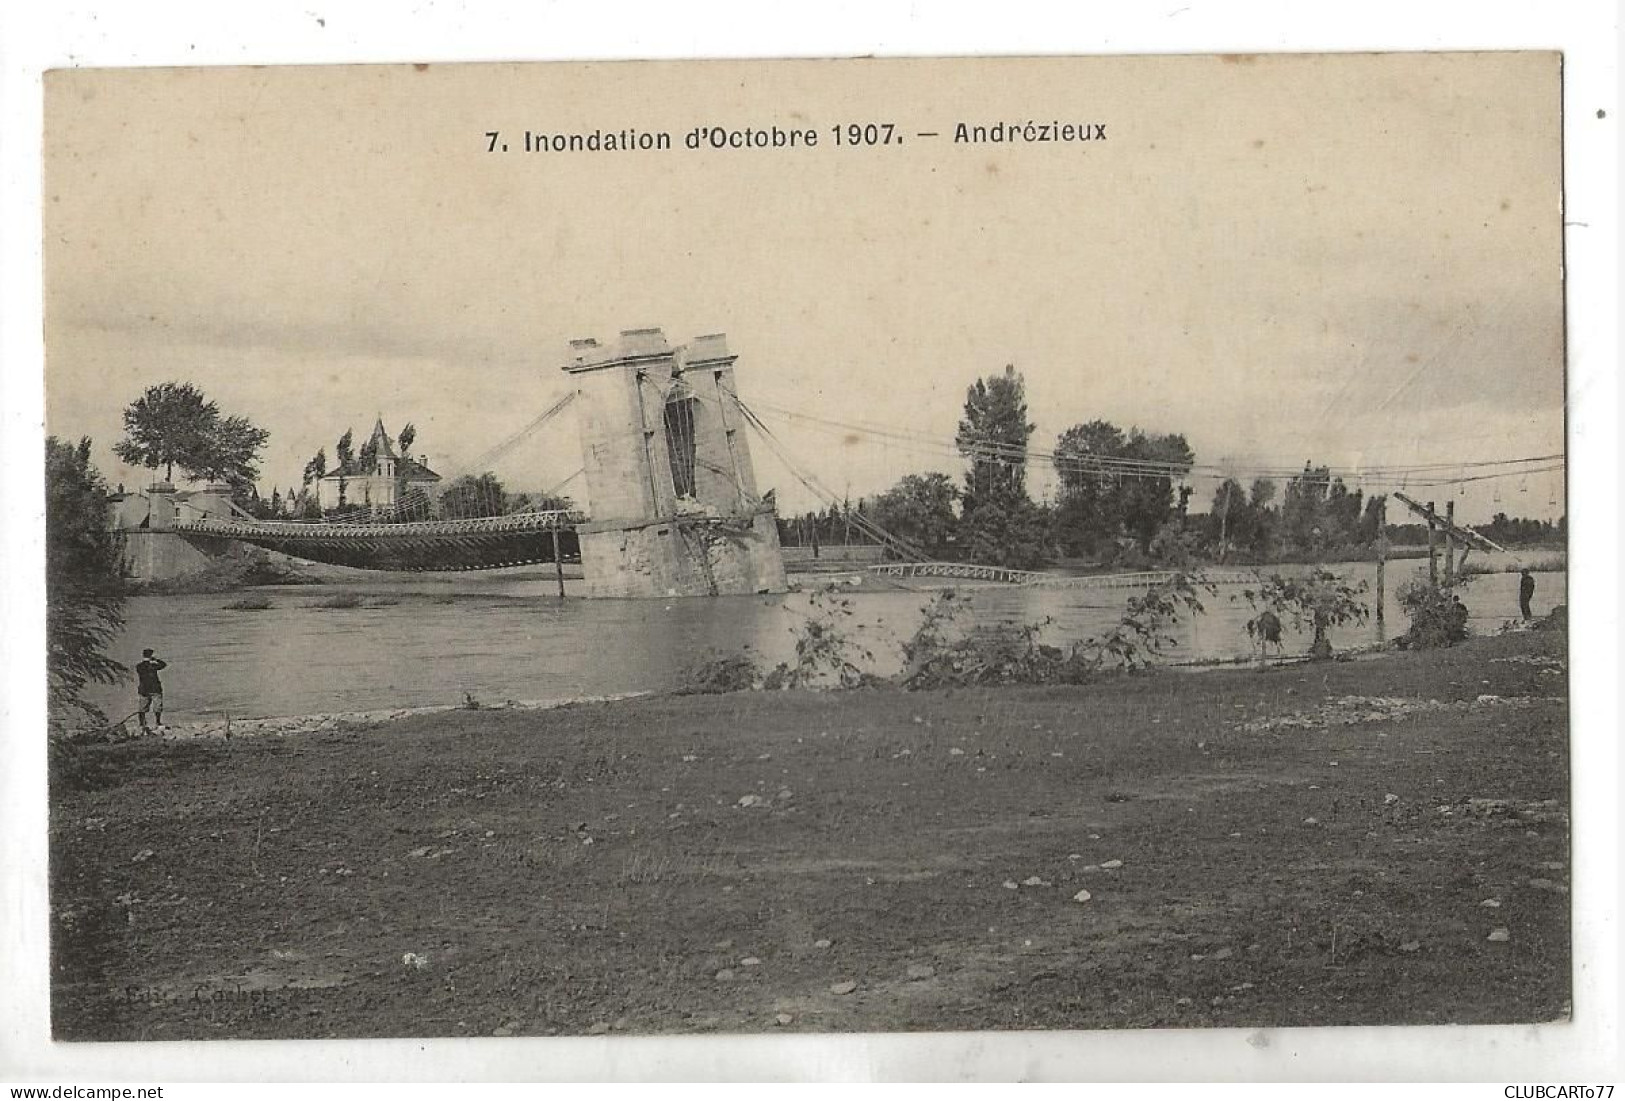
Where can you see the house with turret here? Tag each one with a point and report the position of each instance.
(378, 478)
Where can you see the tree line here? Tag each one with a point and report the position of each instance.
(1122, 499)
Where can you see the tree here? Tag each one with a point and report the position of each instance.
(1510, 530)
(473, 495)
(1239, 520)
(344, 451)
(1000, 525)
(1230, 514)
(1007, 530)
(316, 469)
(83, 582)
(1372, 520)
(993, 435)
(1259, 497)
(247, 498)
(1115, 483)
(1148, 489)
(406, 438)
(173, 425)
(919, 508)
(1342, 513)
(535, 502)
(1319, 599)
(1319, 511)
(1089, 508)
(344, 455)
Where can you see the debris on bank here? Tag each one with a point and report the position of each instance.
(1352, 710)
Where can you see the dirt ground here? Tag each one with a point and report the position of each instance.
(1379, 841)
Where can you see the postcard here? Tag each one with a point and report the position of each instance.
(782, 547)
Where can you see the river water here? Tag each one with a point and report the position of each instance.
(422, 640)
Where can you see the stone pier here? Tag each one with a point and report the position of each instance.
(153, 549)
(675, 506)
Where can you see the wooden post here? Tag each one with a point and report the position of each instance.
(558, 561)
(1450, 542)
(1382, 557)
(1433, 549)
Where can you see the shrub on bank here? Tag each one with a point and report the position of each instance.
(1438, 617)
(1319, 600)
(247, 604)
(342, 600)
(941, 653)
(715, 674)
(938, 655)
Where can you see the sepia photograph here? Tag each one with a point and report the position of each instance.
(806, 546)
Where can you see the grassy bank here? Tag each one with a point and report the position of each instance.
(870, 860)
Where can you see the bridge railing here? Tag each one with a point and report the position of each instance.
(967, 571)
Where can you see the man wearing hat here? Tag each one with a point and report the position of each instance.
(151, 690)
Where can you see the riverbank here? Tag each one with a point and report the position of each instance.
(225, 726)
(1372, 842)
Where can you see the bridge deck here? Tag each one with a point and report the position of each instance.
(481, 543)
(970, 572)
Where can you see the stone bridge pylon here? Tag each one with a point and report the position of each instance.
(675, 508)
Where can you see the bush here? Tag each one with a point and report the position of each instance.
(1142, 635)
(1438, 617)
(716, 674)
(937, 656)
(247, 604)
(827, 656)
(826, 652)
(342, 600)
(1320, 600)
(995, 655)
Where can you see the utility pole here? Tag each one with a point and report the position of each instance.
(558, 561)
(1450, 542)
(1382, 558)
(1433, 549)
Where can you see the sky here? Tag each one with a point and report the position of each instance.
(1354, 260)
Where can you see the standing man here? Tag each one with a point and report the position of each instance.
(151, 690)
(1526, 592)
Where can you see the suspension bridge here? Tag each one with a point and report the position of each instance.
(675, 508)
(409, 532)
(674, 504)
